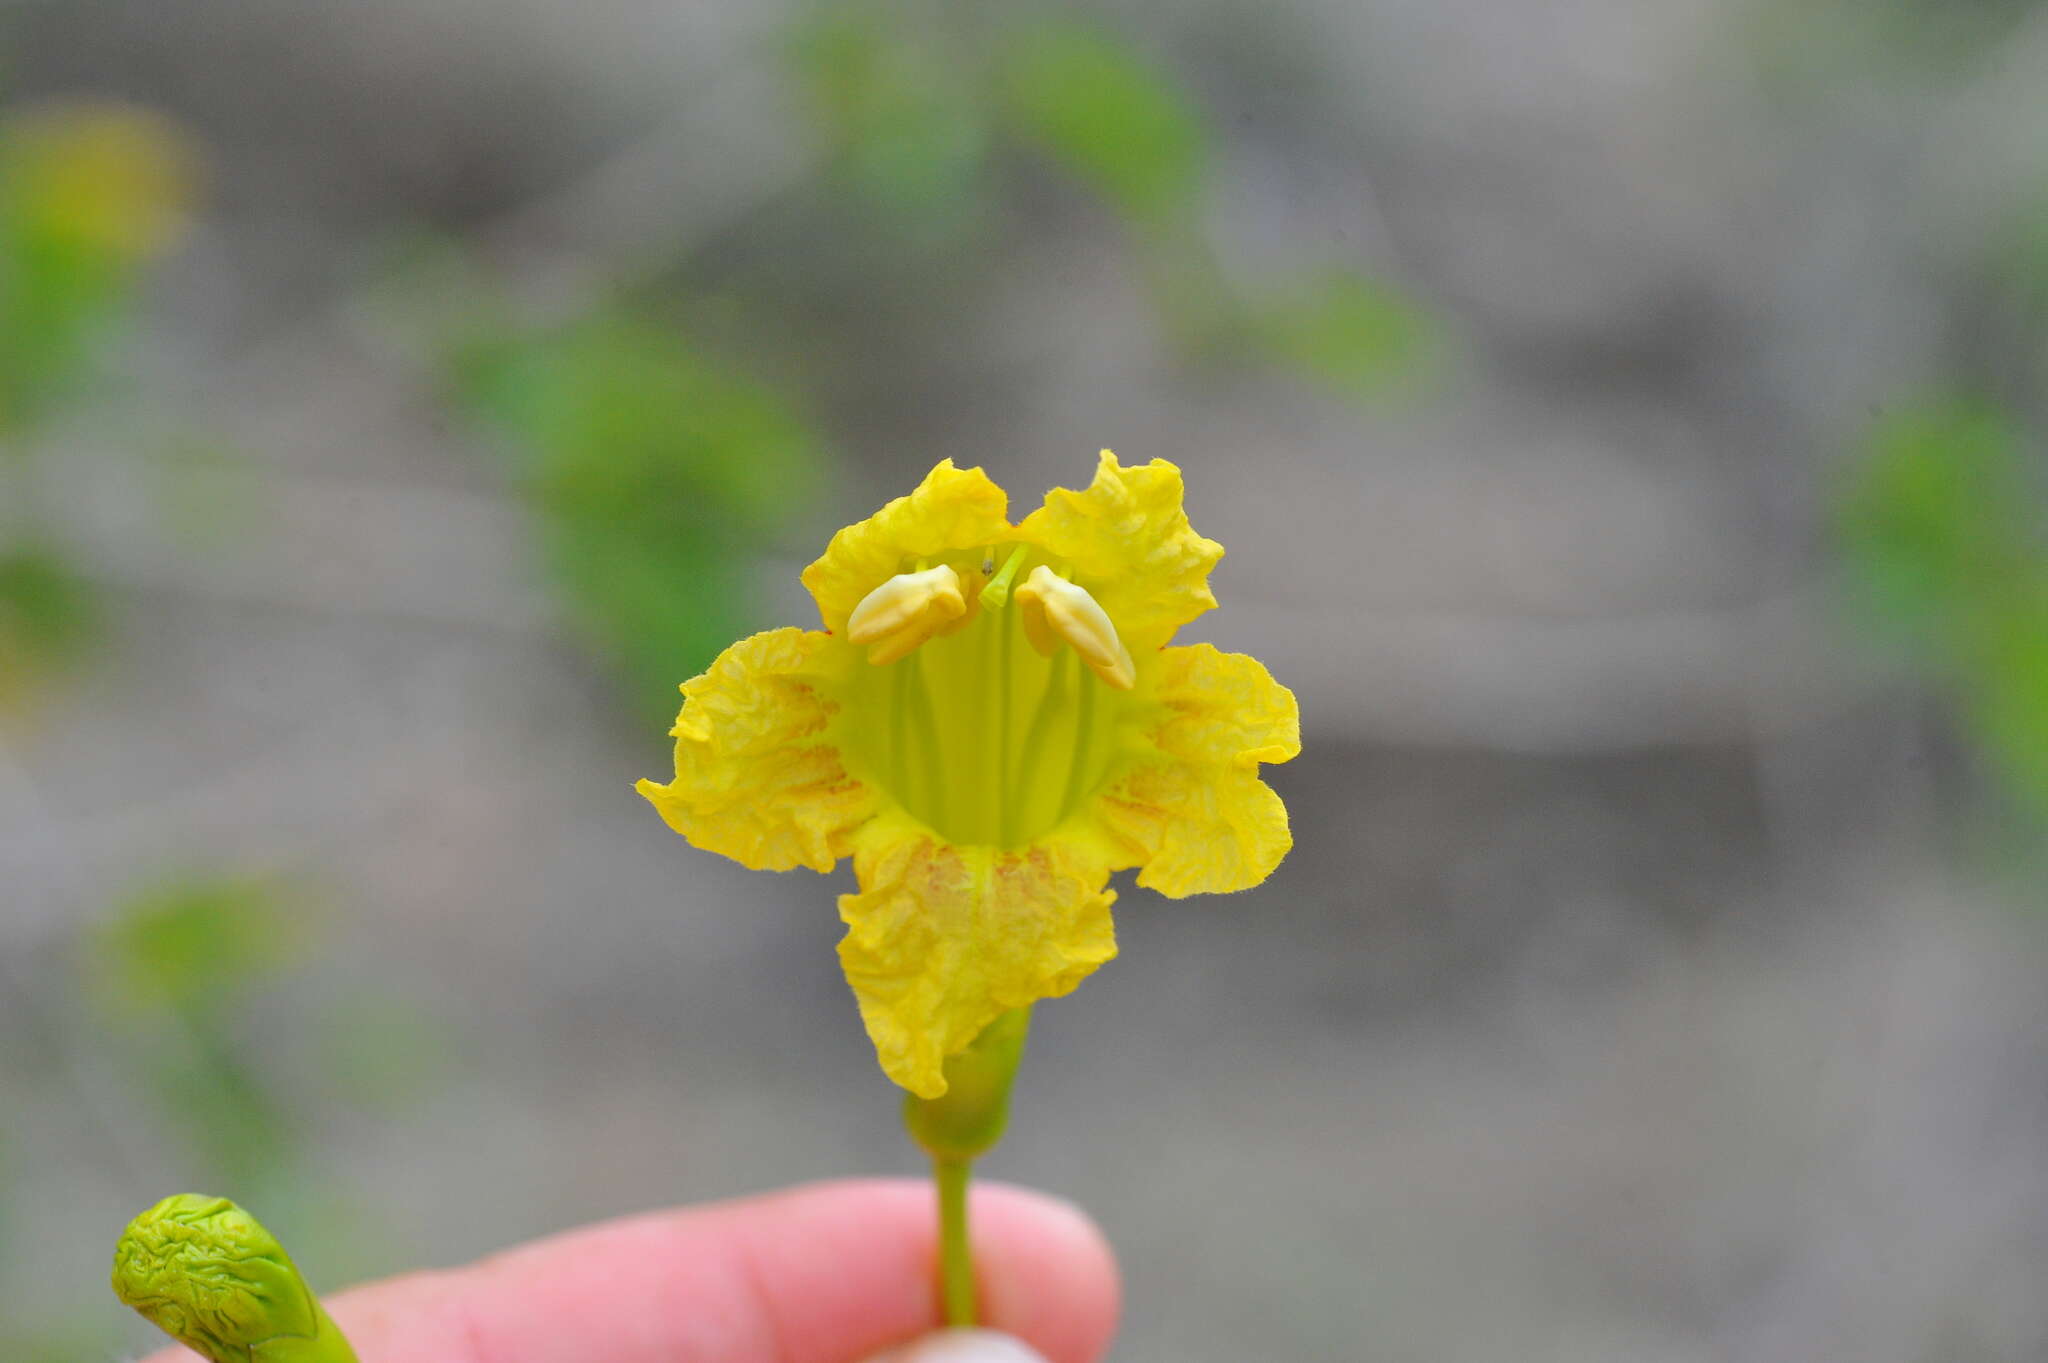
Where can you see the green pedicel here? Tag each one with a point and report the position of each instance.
(954, 1129)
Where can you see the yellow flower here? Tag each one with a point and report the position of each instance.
(107, 178)
(991, 724)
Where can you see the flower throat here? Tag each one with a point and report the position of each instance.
(984, 739)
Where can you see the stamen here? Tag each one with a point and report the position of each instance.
(901, 644)
(1006, 690)
(905, 611)
(970, 590)
(1056, 610)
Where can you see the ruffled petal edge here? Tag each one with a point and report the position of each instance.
(1192, 814)
(951, 510)
(758, 778)
(1128, 541)
(943, 939)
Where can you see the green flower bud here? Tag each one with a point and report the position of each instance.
(206, 1273)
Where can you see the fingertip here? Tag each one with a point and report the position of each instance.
(1048, 1274)
(1045, 1270)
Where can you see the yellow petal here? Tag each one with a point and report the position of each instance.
(941, 939)
(1195, 817)
(953, 509)
(1197, 831)
(1223, 708)
(1128, 541)
(757, 776)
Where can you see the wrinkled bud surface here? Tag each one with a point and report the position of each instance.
(208, 1274)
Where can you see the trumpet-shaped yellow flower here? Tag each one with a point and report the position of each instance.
(992, 723)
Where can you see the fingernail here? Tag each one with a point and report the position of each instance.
(962, 1346)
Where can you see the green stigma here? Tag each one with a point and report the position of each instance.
(995, 593)
(209, 1275)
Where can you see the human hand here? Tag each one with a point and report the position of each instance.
(829, 1273)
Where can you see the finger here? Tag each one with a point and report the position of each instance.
(830, 1273)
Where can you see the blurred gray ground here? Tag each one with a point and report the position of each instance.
(1617, 1003)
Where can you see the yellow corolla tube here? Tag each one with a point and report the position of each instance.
(993, 721)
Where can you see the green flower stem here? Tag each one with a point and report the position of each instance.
(963, 1123)
(207, 1274)
(956, 1258)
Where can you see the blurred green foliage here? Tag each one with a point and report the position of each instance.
(194, 947)
(937, 115)
(1092, 104)
(904, 121)
(175, 973)
(1943, 528)
(658, 474)
(2017, 268)
(1352, 332)
(46, 615)
(88, 194)
(1943, 518)
(185, 973)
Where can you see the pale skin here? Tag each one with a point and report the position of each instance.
(826, 1273)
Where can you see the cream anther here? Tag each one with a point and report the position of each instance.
(1056, 611)
(905, 611)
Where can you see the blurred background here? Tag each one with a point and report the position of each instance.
(1626, 423)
